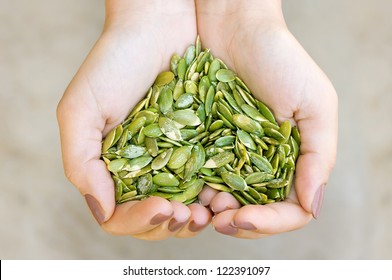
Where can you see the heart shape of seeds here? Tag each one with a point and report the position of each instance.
(200, 124)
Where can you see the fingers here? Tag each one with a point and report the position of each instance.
(199, 220)
(186, 221)
(224, 201)
(157, 219)
(223, 223)
(217, 201)
(136, 217)
(255, 221)
(181, 215)
(206, 195)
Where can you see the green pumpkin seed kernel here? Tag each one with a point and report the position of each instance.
(164, 78)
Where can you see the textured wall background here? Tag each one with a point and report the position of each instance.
(42, 216)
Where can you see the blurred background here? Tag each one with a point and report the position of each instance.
(42, 216)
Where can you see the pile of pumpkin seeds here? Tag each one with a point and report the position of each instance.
(199, 124)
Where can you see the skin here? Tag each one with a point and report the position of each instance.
(136, 44)
(254, 41)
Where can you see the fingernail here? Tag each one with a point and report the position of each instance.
(318, 201)
(158, 219)
(175, 225)
(244, 225)
(193, 227)
(229, 230)
(95, 208)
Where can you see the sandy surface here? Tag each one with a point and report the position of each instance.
(43, 42)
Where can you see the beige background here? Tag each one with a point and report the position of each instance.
(43, 42)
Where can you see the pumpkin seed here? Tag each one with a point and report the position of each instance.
(135, 126)
(152, 146)
(198, 45)
(285, 130)
(164, 78)
(240, 198)
(246, 96)
(153, 130)
(179, 157)
(190, 54)
(234, 181)
(201, 113)
(203, 60)
(127, 196)
(138, 173)
(225, 75)
(184, 101)
(191, 87)
(117, 165)
(266, 111)
(182, 68)
(189, 193)
(112, 138)
(253, 113)
(277, 183)
(261, 162)
(144, 184)
(190, 168)
(247, 124)
(296, 135)
(275, 134)
(174, 63)
(186, 117)
(216, 125)
(160, 161)
(230, 99)
(219, 160)
(258, 177)
(135, 110)
(172, 190)
(165, 100)
(273, 194)
(165, 179)
(137, 163)
(246, 139)
(169, 128)
(131, 151)
(249, 198)
(150, 116)
(161, 194)
(225, 141)
(214, 67)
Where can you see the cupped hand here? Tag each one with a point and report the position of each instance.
(137, 42)
(254, 41)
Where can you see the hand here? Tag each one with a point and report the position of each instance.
(137, 42)
(254, 41)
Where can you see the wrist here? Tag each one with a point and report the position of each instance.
(260, 10)
(127, 11)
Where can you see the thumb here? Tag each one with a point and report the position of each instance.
(81, 134)
(98, 190)
(318, 128)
